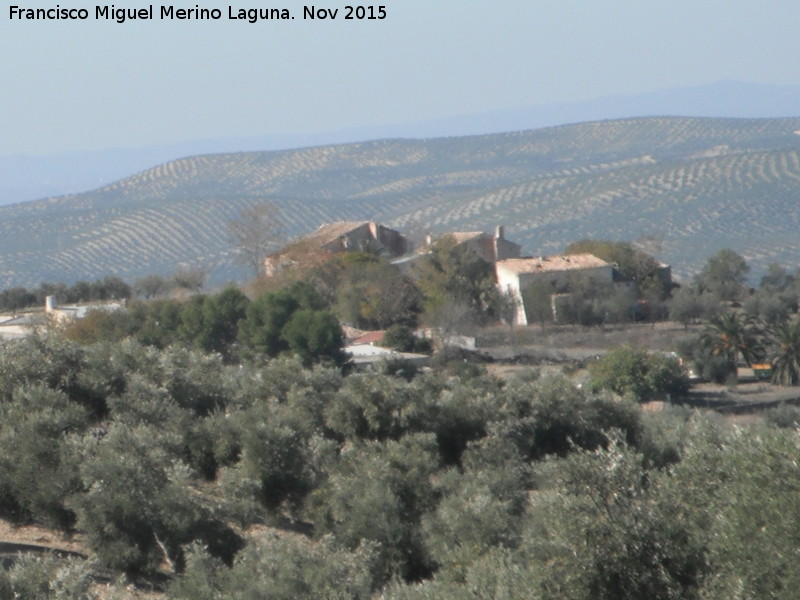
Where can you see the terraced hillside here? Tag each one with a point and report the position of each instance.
(696, 184)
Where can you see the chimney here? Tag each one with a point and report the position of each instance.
(50, 304)
(499, 232)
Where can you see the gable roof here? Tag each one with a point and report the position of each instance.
(330, 232)
(369, 337)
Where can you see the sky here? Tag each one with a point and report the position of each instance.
(71, 85)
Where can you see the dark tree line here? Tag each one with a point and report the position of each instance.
(107, 288)
(291, 320)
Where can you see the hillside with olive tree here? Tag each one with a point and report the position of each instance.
(686, 186)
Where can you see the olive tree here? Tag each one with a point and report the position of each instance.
(139, 508)
(279, 568)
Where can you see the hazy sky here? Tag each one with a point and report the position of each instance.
(95, 84)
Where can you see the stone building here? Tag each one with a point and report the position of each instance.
(516, 274)
(332, 238)
(490, 248)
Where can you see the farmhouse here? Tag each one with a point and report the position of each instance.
(515, 274)
(357, 236)
(489, 248)
(342, 236)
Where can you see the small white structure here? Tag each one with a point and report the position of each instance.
(67, 314)
(365, 356)
(23, 325)
(19, 326)
(515, 274)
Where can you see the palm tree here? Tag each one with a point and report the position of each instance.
(785, 353)
(732, 335)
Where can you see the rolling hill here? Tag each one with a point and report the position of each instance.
(694, 185)
(26, 177)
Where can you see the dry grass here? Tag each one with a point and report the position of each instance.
(570, 343)
(33, 534)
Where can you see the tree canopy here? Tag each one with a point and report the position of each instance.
(633, 264)
(274, 480)
(725, 275)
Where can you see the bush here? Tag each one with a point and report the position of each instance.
(47, 578)
(42, 360)
(481, 507)
(36, 469)
(706, 364)
(639, 374)
(621, 540)
(399, 367)
(402, 339)
(139, 508)
(379, 493)
(553, 417)
(371, 407)
(461, 414)
(785, 416)
(740, 489)
(315, 336)
(278, 460)
(100, 326)
(373, 294)
(213, 442)
(279, 568)
(211, 323)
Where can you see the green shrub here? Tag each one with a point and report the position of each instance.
(740, 487)
(785, 416)
(292, 320)
(706, 364)
(277, 458)
(37, 471)
(607, 533)
(139, 507)
(279, 568)
(379, 493)
(47, 578)
(315, 336)
(402, 339)
(481, 507)
(399, 367)
(371, 407)
(211, 443)
(47, 360)
(639, 374)
(461, 414)
(551, 416)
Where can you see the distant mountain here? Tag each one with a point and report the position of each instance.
(31, 177)
(688, 186)
(725, 99)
